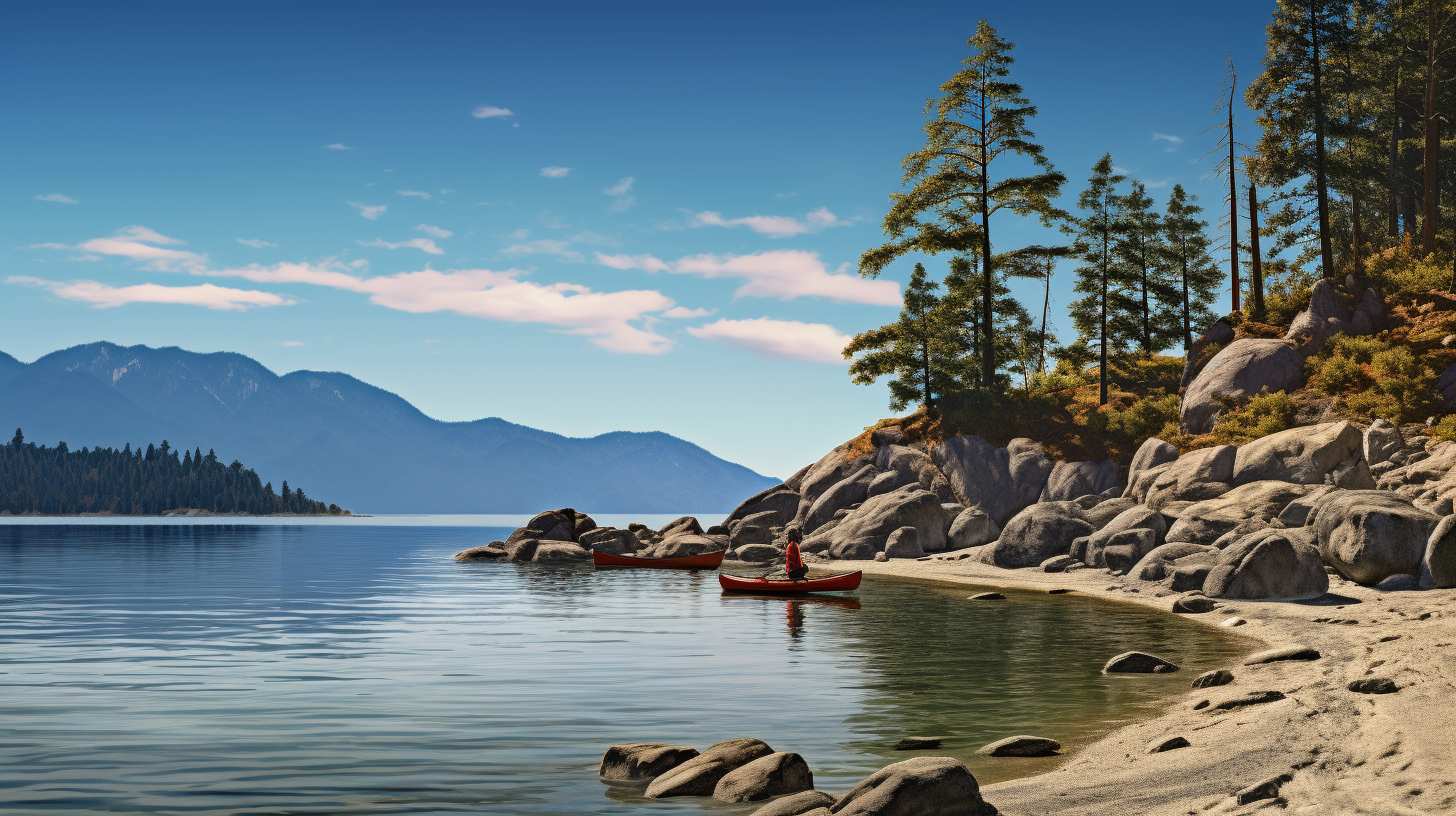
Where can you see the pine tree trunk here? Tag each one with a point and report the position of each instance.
(1392, 181)
(1046, 299)
(1233, 205)
(1147, 321)
(1327, 255)
(1357, 240)
(1187, 319)
(1256, 260)
(1433, 137)
(1102, 317)
(988, 350)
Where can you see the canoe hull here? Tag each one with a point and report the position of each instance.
(833, 583)
(687, 562)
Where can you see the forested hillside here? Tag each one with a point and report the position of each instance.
(60, 481)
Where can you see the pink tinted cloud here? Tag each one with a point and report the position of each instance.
(778, 339)
(784, 274)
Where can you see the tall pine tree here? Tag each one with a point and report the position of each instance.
(1195, 276)
(1103, 314)
(921, 351)
(959, 180)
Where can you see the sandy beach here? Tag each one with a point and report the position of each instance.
(1341, 751)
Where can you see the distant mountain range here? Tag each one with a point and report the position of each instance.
(348, 442)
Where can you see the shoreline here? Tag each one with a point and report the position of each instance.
(1345, 752)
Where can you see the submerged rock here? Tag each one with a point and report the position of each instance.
(773, 775)
(700, 775)
(1021, 746)
(1138, 663)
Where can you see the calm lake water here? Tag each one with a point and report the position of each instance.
(354, 668)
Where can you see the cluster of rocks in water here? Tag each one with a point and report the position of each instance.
(748, 770)
(565, 536)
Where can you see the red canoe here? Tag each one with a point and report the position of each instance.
(832, 583)
(687, 562)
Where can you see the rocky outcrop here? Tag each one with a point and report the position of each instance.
(1326, 316)
(852, 490)
(1073, 480)
(643, 760)
(777, 774)
(1195, 476)
(1150, 454)
(1136, 518)
(923, 786)
(1001, 481)
(1269, 564)
(779, 500)
(700, 775)
(1037, 533)
(1382, 441)
(1370, 535)
(1242, 369)
(1160, 563)
(1221, 333)
(1307, 455)
(1245, 509)
(610, 539)
(972, 527)
(559, 552)
(863, 532)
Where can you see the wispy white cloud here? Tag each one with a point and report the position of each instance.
(414, 193)
(103, 296)
(337, 146)
(424, 244)
(56, 198)
(620, 192)
(786, 195)
(490, 112)
(683, 312)
(778, 339)
(775, 226)
(1164, 137)
(290, 343)
(545, 246)
(138, 243)
(370, 212)
(783, 274)
(555, 172)
(1153, 185)
(608, 319)
(256, 243)
(438, 232)
(622, 187)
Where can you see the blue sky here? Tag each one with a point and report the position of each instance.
(579, 217)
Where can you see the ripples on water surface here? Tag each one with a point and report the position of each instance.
(200, 669)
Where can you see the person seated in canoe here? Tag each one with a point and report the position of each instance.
(793, 561)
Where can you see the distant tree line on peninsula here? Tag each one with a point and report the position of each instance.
(60, 481)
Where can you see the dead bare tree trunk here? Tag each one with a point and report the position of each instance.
(1256, 260)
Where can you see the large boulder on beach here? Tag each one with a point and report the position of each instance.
(1160, 563)
(1037, 533)
(972, 527)
(687, 525)
(643, 760)
(777, 774)
(1073, 480)
(554, 525)
(1195, 476)
(1245, 509)
(923, 786)
(1370, 535)
(747, 535)
(1281, 564)
(863, 532)
(1001, 481)
(904, 543)
(782, 502)
(1134, 518)
(1243, 368)
(683, 544)
(850, 491)
(1307, 455)
(700, 775)
(1438, 565)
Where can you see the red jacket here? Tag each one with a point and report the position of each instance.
(792, 559)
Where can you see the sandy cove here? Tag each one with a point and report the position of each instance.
(1346, 752)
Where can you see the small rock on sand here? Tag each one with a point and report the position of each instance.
(1162, 744)
(1252, 698)
(1374, 685)
(1268, 789)
(1138, 663)
(987, 596)
(1292, 652)
(1021, 746)
(1194, 605)
(1232, 622)
(1217, 677)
